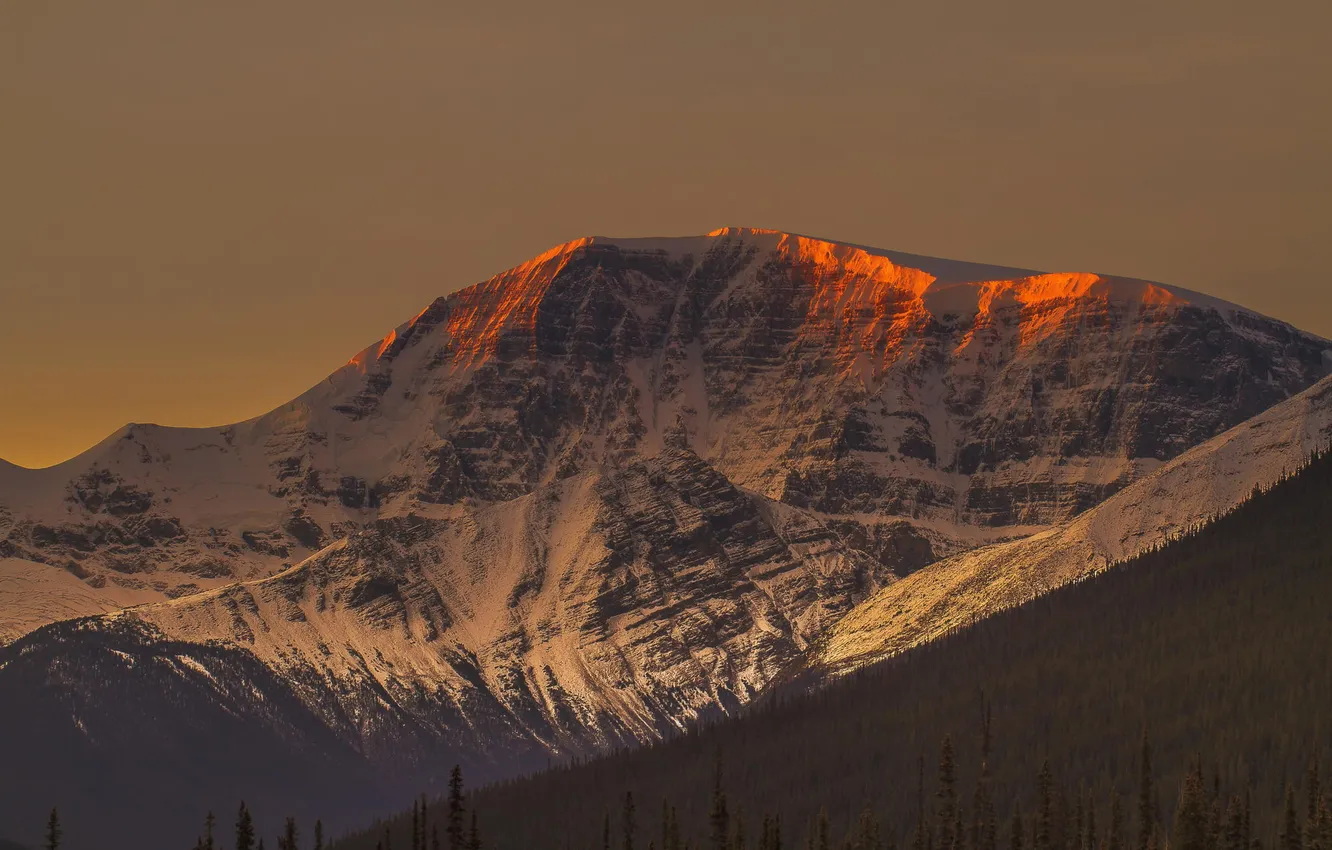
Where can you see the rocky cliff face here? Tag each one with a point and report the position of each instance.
(1198, 486)
(623, 485)
(600, 610)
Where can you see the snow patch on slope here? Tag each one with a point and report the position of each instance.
(32, 595)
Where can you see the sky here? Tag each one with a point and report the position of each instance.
(205, 208)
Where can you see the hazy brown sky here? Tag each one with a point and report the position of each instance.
(207, 207)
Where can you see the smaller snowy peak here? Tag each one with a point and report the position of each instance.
(21, 485)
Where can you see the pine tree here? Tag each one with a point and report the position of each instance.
(719, 818)
(453, 831)
(244, 829)
(1312, 830)
(1079, 819)
(918, 841)
(1115, 838)
(1089, 831)
(1059, 816)
(984, 829)
(1190, 829)
(425, 824)
(1146, 795)
(319, 835)
(1233, 834)
(1324, 828)
(53, 831)
(1045, 807)
(1314, 793)
(867, 831)
(434, 838)
(1248, 817)
(416, 825)
(822, 831)
(473, 834)
(207, 842)
(947, 795)
(605, 833)
(1219, 805)
(1291, 838)
(290, 836)
(1015, 830)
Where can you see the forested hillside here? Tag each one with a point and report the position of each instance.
(1218, 645)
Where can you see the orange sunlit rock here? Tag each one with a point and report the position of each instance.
(506, 302)
(865, 311)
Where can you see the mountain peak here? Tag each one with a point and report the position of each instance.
(844, 278)
(918, 272)
(618, 488)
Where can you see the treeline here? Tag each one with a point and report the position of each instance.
(460, 831)
(1060, 817)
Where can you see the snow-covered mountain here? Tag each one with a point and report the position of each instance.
(927, 405)
(604, 493)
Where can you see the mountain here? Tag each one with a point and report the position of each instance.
(619, 488)
(1219, 644)
(927, 405)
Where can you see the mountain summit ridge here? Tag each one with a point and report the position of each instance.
(946, 278)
